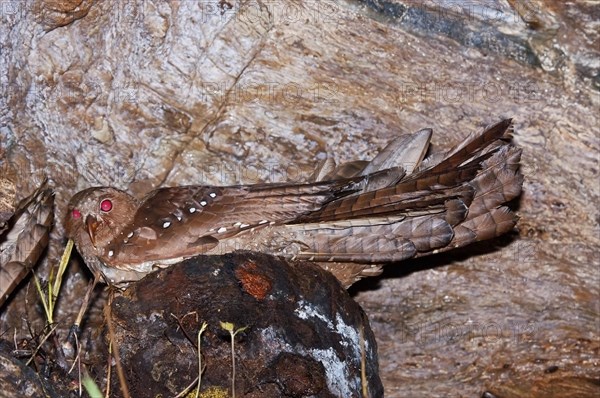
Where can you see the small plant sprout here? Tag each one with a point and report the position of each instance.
(91, 387)
(202, 329)
(230, 328)
(55, 283)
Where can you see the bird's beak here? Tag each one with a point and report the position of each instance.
(92, 223)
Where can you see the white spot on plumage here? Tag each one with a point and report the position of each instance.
(129, 235)
(111, 253)
(203, 203)
(221, 230)
(166, 224)
(244, 225)
(178, 218)
(192, 210)
(237, 224)
(212, 195)
(263, 222)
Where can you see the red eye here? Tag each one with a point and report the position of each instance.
(76, 213)
(106, 205)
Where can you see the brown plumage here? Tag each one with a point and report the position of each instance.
(26, 240)
(351, 219)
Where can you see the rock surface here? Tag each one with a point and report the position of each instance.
(301, 333)
(19, 380)
(148, 93)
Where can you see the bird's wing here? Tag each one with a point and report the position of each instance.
(403, 153)
(406, 151)
(190, 220)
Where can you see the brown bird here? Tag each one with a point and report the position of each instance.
(26, 239)
(351, 219)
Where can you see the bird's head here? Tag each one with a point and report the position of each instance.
(97, 215)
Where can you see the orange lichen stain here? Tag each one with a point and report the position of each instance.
(253, 281)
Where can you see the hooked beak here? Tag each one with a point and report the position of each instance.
(92, 224)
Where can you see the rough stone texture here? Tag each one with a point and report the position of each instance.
(7, 202)
(18, 380)
(138, 94)
(302, 337)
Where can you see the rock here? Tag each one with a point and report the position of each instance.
(229, 92)
(301, 333)
(19, 380)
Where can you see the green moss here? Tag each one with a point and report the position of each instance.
(211, 392)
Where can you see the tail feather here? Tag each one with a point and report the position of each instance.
(448, 200)
(368, 245)
(472, 146)
(426, 233)
(393, 241)
(485, 226)
(457, 211)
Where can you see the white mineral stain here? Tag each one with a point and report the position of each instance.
(306, 310)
